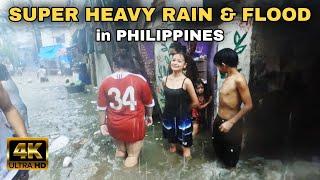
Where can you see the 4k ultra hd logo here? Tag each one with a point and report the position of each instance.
(27, 153)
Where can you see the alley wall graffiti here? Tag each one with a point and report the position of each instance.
(162, 61)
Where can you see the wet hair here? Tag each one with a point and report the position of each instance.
(199, 82)
(178, 47)
(123, 60)
(227, 56)
(4, 74)
(206, 91)
(123, 49)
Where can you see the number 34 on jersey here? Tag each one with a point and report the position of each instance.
(125, 99)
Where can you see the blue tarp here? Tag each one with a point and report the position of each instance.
(66, 59)
(49, 52)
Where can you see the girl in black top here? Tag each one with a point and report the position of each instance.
(180, 97)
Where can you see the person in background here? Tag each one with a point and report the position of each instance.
(42, 74)
(125, 102)
(192, 47)
(198, 114)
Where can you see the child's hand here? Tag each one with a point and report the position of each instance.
(104, 130)
(206, 104)
(148, 120)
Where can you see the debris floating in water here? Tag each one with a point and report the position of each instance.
(83, 141)
(54, 136)
(67, 161)
(58, 143)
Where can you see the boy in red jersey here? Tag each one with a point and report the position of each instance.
(125, 102)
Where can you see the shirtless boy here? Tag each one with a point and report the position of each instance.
(227, 126)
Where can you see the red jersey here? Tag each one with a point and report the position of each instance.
(123, 95)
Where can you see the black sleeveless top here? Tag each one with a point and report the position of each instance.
(177, 102)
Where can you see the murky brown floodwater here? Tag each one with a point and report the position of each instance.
(53, 113)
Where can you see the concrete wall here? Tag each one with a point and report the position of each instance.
(284, 58)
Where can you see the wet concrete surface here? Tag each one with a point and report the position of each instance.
(54, 113)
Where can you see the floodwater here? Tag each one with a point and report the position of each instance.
(54, 113)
